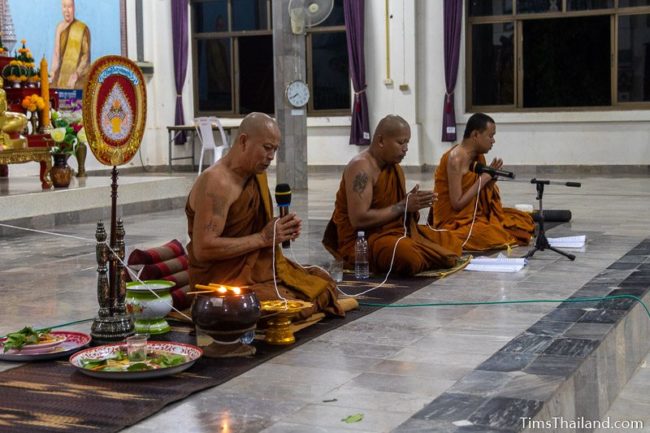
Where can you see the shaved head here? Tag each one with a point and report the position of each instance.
(256, 123)
(390, 126)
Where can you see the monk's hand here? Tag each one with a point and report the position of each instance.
(418, 199)
(287, 228)
(496, 163)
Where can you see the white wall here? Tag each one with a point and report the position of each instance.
(416, 60)
(329, 145)
(615, 137)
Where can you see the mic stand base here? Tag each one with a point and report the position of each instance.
(541, 242)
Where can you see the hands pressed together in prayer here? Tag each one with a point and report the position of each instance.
(496, 164)
(287, 228)
(418, 199)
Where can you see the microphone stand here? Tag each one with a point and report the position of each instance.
(541, 242)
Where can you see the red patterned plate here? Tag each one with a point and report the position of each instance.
(41, 347)
(192, 353)
(73, 341)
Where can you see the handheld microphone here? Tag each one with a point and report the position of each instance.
(480, 168)
(283, 199)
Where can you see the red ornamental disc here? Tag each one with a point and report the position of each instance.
(114, 109)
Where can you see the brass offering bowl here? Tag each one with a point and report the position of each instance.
(279, 331)
(226, 316)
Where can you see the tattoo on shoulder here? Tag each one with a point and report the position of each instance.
(218, 205)
(360, 182)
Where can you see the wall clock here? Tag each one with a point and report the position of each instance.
(298, 93)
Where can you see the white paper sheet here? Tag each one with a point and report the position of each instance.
(568, 242)
(497, 264)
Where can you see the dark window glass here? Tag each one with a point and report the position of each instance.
(249, 15)
(256, 74)
(634, 58)
(492, 64)
(628, 3)
(214, 75)
(536, 6)
(567, 62)
(581, 5)
(331, 85)
(211, 16)
(479, 8)
(336, 18)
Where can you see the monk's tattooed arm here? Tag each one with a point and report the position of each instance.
(218, 205)
(218, 211)
(360, 182)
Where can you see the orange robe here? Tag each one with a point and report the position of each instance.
(422, 250)
(248, 215)
(495, 227)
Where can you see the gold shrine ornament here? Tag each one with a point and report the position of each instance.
(114, 109)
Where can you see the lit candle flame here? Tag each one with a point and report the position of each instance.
(219, 288)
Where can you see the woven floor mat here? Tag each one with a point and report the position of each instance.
(52, 396)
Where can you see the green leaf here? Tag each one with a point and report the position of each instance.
(357, 417)
(140, 366)
(27, 335)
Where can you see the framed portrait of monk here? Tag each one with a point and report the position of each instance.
(71, 34)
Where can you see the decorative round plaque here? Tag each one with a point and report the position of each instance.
(114, 109)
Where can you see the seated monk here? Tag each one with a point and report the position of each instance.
(494, 227)
(372, 198)
(11, 125)
(230, 223)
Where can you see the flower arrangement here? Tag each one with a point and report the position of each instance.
(33, 102)
(25, 55)
(68, 132)
(21, 68)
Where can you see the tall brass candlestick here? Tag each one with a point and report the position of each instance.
(45, 94)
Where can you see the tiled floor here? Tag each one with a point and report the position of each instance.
(386, 365)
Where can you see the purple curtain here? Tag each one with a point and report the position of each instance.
(180, 46)
(453, 22)
(354, 26)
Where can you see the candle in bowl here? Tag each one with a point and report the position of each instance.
(225, 313)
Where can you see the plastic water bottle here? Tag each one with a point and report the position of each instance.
(361, 269)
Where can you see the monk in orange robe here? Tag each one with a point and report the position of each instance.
(485, 225)
(230, 224)
(372, 198)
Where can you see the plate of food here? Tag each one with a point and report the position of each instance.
(111, 361)
(35, 345)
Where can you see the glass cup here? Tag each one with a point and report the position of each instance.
(336, 270)
(136, 347)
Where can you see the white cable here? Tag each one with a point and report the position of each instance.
(129, 270)
(275, 278)
(475, 210)
(47, 233)
(392, 260)
(305, 267)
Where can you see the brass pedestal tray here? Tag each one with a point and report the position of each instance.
(279, 330)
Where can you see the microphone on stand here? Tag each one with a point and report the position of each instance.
(480, 168)
(283, 200)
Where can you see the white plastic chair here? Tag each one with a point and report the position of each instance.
(204, 131)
